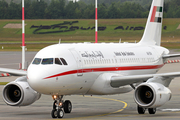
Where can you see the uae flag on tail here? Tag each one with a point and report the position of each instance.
(156, 14)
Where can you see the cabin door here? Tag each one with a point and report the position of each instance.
(78, 62)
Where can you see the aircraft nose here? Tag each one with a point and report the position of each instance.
(35, 77)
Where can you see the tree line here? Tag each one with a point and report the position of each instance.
(61, 9)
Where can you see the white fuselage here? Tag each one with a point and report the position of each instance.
(86, 62)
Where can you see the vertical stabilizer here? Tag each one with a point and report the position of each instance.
(152, 33)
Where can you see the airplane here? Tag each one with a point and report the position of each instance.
(98, 69)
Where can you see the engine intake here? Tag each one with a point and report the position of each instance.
(145, 94)
(13, 93)
(19, 93)
(151, 95)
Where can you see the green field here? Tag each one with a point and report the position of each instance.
(3, 83)
(10, 38)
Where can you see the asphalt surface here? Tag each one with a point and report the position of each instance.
(88, 107)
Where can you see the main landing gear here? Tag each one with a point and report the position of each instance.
(142, 110)
(59, 105)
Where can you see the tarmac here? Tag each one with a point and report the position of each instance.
(112, 107)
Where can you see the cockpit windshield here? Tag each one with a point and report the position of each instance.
(37, 61)
(46, 61)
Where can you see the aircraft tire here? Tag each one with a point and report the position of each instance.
(141, 110)
(67, 106)
(152, 110)
(60, 113)
(54, 113)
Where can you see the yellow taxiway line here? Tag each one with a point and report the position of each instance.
(120, 110)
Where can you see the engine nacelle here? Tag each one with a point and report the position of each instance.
(19, 93)
(151, 95)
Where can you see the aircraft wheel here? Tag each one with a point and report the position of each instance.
(60, 113)
(141, 110)
(152, 110)
(54, 113)
(67, 106)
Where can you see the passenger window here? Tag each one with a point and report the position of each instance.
(57, 61)
(63, 61)
(47, 61)
(36, 61)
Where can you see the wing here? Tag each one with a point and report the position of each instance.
(171, 55)
(14, 71)
(117, 81)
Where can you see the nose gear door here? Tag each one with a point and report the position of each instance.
(78, 61)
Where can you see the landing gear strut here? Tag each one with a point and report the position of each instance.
(59, 105)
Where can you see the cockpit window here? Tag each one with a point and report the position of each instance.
(37, 61)
(57, 61)
(63, 61)
(47, 61)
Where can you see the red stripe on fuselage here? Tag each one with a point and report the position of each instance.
(153, 14)
(107, 69)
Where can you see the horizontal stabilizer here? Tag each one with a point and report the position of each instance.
(171, 55)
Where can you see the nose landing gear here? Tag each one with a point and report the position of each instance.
(59, 105)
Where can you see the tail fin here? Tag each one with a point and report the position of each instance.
(152, 33)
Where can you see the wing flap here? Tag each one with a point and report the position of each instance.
(117, 81)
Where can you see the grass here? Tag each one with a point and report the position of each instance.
(11, 35)
(3, 83)
(171, 45)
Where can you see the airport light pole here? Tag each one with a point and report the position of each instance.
(23, 37)
(96, 22)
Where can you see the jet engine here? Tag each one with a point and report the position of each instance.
(151, 95)
(19, 93)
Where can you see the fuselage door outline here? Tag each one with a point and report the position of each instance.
(78, 61)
